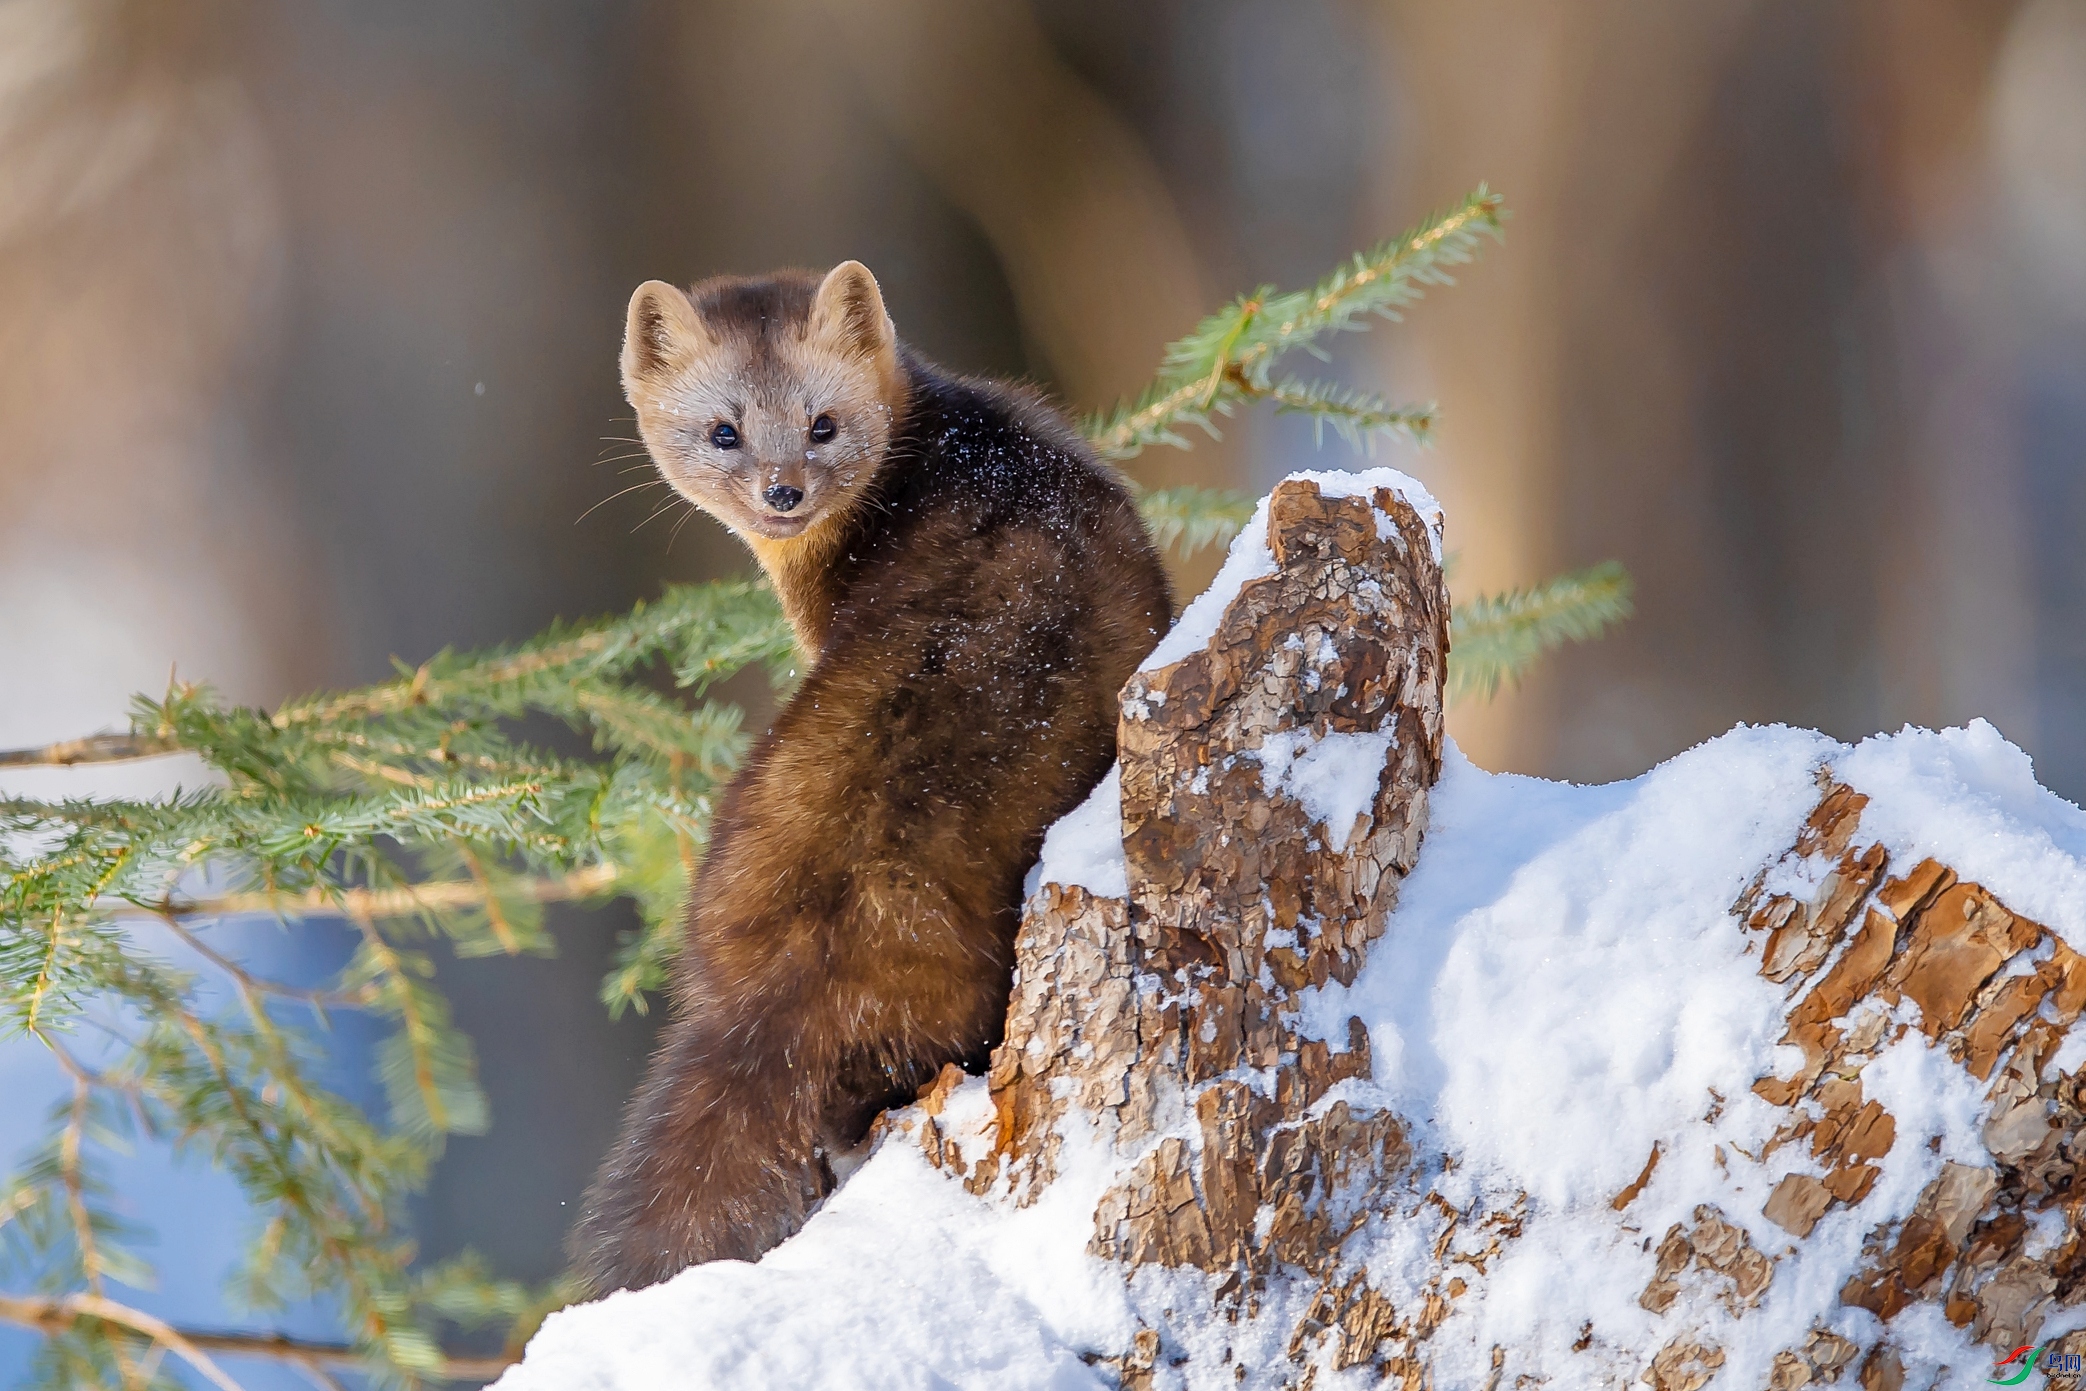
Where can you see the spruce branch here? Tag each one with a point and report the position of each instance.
(1494, 638)
(408, 810)
(1227, 359)
(429, 1069)
(1356, 416)
(687, 619)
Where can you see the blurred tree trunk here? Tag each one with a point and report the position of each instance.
(1750, 337)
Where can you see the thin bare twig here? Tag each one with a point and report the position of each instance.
(53, 1314)
(318, 1375)
(251, 984)
(401, 902)
(95, 748)
(56, 1314)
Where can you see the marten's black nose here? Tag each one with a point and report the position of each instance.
(782, 497)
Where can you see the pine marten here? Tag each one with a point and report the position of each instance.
(969, 589)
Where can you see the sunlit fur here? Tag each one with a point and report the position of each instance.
(970, 590)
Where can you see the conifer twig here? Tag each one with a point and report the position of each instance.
(1186, 519)
(1226, 360)
(71, 1141)
(1494, 637)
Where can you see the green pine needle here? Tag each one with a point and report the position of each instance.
(1358, 417)
(1187, 519)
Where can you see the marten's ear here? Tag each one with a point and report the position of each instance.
(662, 335)
(848, 314)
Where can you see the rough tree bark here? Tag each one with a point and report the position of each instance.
(1164, 1023)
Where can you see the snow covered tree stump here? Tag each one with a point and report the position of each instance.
(1762, 1069)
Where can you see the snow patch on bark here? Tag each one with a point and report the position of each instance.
(1085, 848)
(1334, 775)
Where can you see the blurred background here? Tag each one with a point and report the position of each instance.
(309, 316)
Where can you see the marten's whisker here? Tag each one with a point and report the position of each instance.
(671, 503)
(677, 529)
(633, 488)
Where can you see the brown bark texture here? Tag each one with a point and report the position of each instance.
(1164, 1025)
(1998, 992)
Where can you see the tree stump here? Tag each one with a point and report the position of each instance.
(1273, 792)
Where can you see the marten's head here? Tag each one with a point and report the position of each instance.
(766, 401)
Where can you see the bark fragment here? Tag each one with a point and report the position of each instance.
(1822, 1358)
(1716, 1248)
(1797, 1203)
(1683, 1365)
(1957, 942)
(1636, 1186)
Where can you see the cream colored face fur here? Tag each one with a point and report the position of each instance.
(730, 409)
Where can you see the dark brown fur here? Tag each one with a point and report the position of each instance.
(975, 608)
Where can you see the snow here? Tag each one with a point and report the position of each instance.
(1085, 847)
(1970, 799)
(902, 1280)
(1561, 987)
(1248, 559)
(1494, 998)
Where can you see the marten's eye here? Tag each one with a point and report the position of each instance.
(724, 436)
(822, 429)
